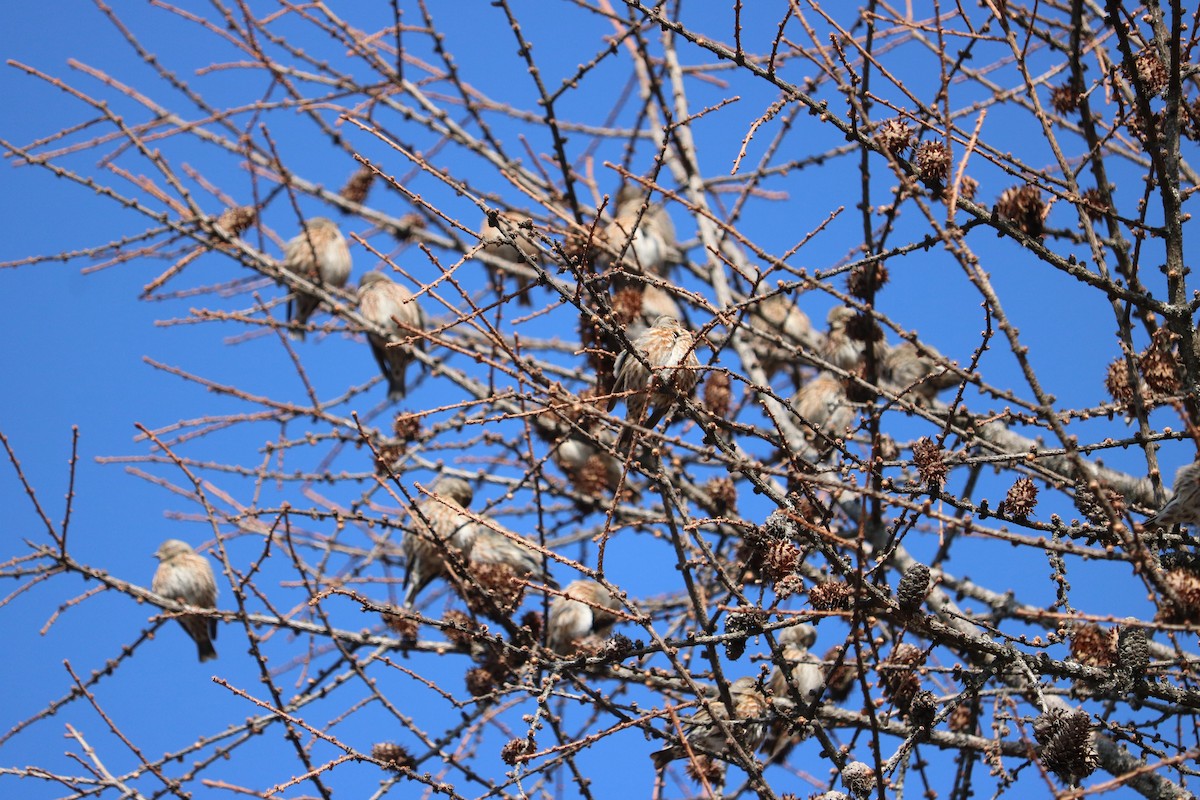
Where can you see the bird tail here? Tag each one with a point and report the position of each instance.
(665, 756)
(205, 650)
(397, 384)
(300, 308)
(412, 585)
(293, 308)
(1163, 518)
(624, 441)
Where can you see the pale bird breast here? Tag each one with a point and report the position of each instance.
(183, 581)
(573, 453)
(369, 303)
(403, 307)
(683, 350)
(570, 619)
(335, 261)
(298, 257)
(442, 520)
(648, 247)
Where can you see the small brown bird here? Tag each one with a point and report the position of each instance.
(495, 544)
(185, 576)
(750, 708)
(808, 682)
(521, 250)
(670, 351)
(513, 225)
(1184, 505)
(822, 404)
(656, 303)
(838, 348)
(320, 254)
(807, 674)
(585, 610)
(438, 525)
(648, 242)
(388, 304)
(906, 368)
(779, 317)
(589, 467)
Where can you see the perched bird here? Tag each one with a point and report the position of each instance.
(778, 317)
(808, 676)
(499, 563)
(581, 444)
(495, 544)
(1184, 505)
(388, 304)
(185, 576)
(823, 405)
(838, 348)
(588, 466)
(647, 238)
(807, 683)
(806, 672)
(438, 526)
(584, 610)
(704, 735)
(670, 351)
(521, 250)
(907, 368)
(320, 254)
(656, 303)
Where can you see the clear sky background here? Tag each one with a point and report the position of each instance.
(75, 350)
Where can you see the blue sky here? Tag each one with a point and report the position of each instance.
(78, 344)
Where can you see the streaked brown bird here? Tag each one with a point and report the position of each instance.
(185, 576)
(750, 709)
(438, 525)
(585, 611)
(389, 305)
(838, 348)
(778, 317)
(589, 466)
(320, 254)
(495, 544)
(807, 683)
(908, 369)
(1184, 505)
(807, 673)
(823, 404)
(510, 241)
(647, 238)
(656, 303)
(670, 351)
